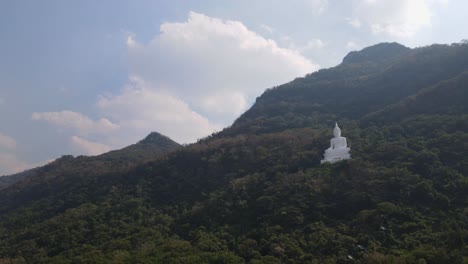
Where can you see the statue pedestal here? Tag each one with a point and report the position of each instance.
(335, 155)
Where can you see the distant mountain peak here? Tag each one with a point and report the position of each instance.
(156, 138)
(378, 52)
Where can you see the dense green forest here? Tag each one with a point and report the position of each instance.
(256, 192)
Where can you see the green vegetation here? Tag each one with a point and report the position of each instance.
(256, 193)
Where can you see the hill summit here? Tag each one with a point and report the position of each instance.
(377, 53)
(155, 138)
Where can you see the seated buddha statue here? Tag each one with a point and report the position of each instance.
(338, 149)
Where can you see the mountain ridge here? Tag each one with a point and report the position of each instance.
(316, 99)
(378, 52)
(153, 146)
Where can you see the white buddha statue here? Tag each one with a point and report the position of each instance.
(338, 149)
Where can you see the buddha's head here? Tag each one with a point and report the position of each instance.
(336, 131)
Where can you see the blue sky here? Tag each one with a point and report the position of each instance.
(85, 77)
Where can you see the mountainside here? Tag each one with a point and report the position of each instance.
(6, 181)
(57, 175)
(153, 145)
(353, 89)
(256, 192)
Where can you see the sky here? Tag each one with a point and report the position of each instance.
(85, 77)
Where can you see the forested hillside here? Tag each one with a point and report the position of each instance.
(68, 170)
(256, 192)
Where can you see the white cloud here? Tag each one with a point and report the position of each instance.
(190, 79)
(77, 121)
(395, 18)
(137, 110)
(141, 108)
(207, 56)
(89, 147)
(7, 142)
(234, 102)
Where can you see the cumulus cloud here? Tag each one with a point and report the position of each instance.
(138, 109)
(77, 121)
(141, 108)
(395, 18)
(89, 147)
(189, 81)
(226, 103)
(207, 57)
